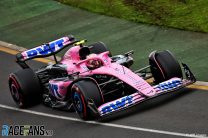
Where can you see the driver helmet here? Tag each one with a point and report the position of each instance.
(93, 63)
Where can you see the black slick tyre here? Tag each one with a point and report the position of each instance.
(99, 47)
(81, 92)
(25, 88)
(164, 66)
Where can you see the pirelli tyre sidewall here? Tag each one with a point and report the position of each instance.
(25, 88)
(81, 91)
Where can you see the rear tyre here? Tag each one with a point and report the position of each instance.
(99, 47)
(164, 66)
(25, 88)
(81, 92)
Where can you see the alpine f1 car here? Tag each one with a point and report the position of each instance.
(92, 82)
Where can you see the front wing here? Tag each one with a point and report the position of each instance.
(122, 103)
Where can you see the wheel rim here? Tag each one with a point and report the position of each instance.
(16, 94)
(78, 102)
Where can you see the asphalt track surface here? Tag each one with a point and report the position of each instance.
(183, 112)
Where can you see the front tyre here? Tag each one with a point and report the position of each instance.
(164, 66)
(82, 91)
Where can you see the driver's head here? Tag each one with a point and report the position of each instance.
(94, 63)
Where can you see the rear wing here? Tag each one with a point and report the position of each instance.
(46, 50)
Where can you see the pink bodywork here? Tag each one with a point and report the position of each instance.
(71, 59)
(73, 64)
(100, 64)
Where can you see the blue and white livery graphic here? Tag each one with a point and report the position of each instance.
(137, 97)
(117, 104)
(46, 49)
(169, 85)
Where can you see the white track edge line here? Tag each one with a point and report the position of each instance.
(192, 135)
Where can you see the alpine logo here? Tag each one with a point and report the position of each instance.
(45, 49)
(169, 84)
(115, 105)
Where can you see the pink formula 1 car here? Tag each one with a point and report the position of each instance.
(92, 82)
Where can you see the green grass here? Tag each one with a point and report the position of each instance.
(16, 10)
(46, 24)
(183, 14)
